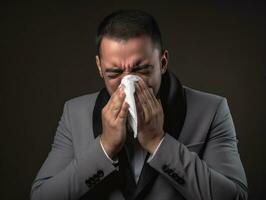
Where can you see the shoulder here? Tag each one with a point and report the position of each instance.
(80, 104)
(201, 95)
(205, 105)
(202, 99)
(84, 99)
(204, 111)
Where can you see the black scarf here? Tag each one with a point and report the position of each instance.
(173, 100)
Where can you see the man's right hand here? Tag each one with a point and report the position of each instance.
(114, 116)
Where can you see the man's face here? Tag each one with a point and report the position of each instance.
(136, 56)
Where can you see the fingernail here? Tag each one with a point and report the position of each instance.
(121, 88)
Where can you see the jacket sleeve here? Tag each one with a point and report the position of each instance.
(65, 176)
(217, 175)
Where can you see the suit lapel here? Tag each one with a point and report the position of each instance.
(101, 100)
(146, 180)
(173, 98)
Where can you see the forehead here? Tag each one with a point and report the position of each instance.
(131, 49)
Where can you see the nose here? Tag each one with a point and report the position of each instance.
(125, 73)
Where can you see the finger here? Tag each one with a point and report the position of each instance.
(116, 92)
(116, 102)
(143, 103)
(147, 92)
(122, 116)
(139, 108)
(154, 97)
(159, 100)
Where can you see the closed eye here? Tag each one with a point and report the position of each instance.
(113, 72)
(142, 68)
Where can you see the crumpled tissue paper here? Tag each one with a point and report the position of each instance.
(129, 88)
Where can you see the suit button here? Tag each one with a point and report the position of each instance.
(92, 181)
(100, 173)
(165, 168)
(116, 164)
(170, 172)
(96, 178)
(89, 182)
(178, 179)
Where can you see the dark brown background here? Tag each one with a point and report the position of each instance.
(47, 57)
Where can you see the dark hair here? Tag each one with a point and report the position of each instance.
(126, 24)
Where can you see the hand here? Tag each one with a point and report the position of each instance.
(150, 117)
(114, 116)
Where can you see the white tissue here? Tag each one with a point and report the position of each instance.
(128, 82)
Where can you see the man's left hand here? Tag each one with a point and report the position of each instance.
(150, 117)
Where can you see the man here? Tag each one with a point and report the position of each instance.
(186, 146)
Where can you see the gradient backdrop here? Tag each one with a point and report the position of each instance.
(47, 57)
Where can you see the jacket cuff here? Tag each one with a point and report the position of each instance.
(167, 160)
(94, 166)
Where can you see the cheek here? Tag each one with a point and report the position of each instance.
(155, 82)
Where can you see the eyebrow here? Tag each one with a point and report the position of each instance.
(135, 68)
(114, 70)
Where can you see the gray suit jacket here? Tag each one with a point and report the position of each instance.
(203, 163)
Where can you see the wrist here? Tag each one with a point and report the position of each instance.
(107, 148)
(151, 148)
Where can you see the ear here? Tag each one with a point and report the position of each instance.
(98, 62)
(164, 61)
